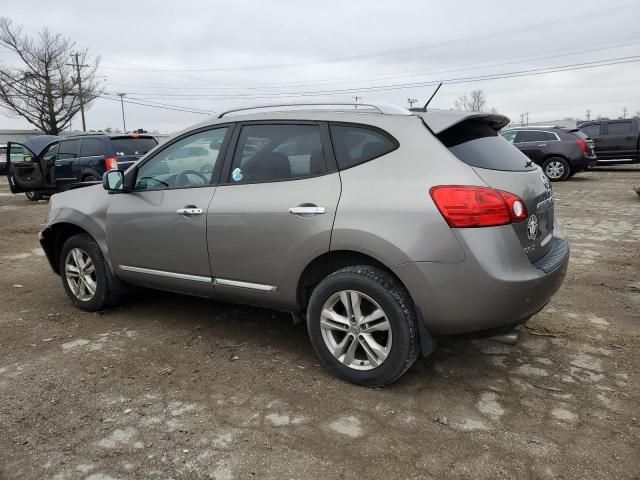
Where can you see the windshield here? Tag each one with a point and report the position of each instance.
(133, 146)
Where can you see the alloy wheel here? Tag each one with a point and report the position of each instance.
(356, 330)
(554, 170)
(80, 273)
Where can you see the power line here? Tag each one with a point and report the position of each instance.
(594, 14)
(160, 106)
(399, 86)
(388, 75)
(147, 102)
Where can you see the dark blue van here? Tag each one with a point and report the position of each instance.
(84, 158)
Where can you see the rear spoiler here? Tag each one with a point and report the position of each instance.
(440, 120)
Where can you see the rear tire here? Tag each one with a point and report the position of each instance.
(85, 275)
(33, 196)
(557, 169)
(90, 178)
(372, 342)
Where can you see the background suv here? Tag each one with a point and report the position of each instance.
(84, 158)
(561, 152)
(383, 229)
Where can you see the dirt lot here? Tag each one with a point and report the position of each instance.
(177, 387)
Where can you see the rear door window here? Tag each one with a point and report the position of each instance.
(132, 146)
(533, 136)
(620, 128)
(91, 147)
(267, 153)
(354, 145)
(68, 149)
(478, 145)
(593, 130)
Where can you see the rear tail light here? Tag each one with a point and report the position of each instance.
(582, 143)
(111, 163)
(468, 206)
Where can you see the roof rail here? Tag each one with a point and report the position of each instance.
(384, 108)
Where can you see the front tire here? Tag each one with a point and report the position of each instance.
(557, 169)
(85, 275)
(363, 326)
(33, 196)
(90, 178)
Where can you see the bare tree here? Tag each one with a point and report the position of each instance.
(44, 87)
(476, 101)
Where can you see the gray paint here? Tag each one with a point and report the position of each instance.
(459, 279)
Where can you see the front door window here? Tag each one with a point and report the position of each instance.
(189, 162)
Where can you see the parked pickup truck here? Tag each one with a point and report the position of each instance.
(616, 141)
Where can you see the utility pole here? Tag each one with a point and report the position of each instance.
(355, 99)
(527, 117)
(522, 119)
(76, 64)
(411, 101)
(588, 114)
(124, 124)
(624, 112)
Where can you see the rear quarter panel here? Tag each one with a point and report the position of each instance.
(385, 208)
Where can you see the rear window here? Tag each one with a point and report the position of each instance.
(91, 147)
(355, 145)
(580, 134)
(479, 145)
(132, 146)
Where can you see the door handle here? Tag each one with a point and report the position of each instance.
(304, 210)
(189, 211)
(541, 145)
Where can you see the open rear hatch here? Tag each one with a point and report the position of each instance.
(473, 138)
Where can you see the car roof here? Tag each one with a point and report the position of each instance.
(437, 120)
(109, 135)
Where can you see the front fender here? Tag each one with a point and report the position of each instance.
(85, 209)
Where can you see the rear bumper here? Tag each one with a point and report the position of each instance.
(584, 162)
(495, 286)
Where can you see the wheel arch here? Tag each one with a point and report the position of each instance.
(334, 260)
(327, 263)
(53, 238)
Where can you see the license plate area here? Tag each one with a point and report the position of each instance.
(545, 213)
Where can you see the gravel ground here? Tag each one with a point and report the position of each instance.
(177, 387)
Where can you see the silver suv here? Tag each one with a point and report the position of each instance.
(384, 229)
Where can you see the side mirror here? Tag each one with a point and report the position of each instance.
(113, 181)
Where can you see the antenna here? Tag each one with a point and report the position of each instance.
(431, 97)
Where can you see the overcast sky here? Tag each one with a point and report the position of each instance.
(212, 55)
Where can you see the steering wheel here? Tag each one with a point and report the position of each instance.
(159, 182)
(183, 181)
